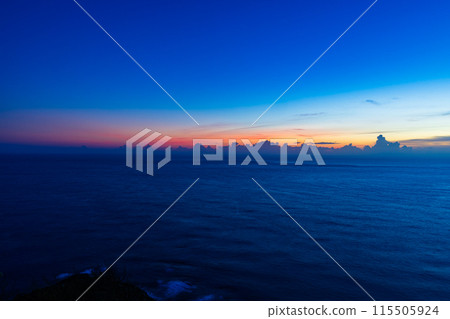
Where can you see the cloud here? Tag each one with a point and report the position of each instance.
(372, 102)
(381, 132)
(309, 114)
(428, 115)
(325, 143)
(429, 139)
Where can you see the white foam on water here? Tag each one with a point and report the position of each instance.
(63, 276)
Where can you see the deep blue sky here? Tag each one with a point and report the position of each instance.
(214, 57)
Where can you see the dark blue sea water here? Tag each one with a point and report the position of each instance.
(386, 222)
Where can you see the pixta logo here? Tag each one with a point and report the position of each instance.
(145, 141)
(253, 150)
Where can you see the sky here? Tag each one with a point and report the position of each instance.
(65, 82)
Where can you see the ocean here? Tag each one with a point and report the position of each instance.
(386, 222)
